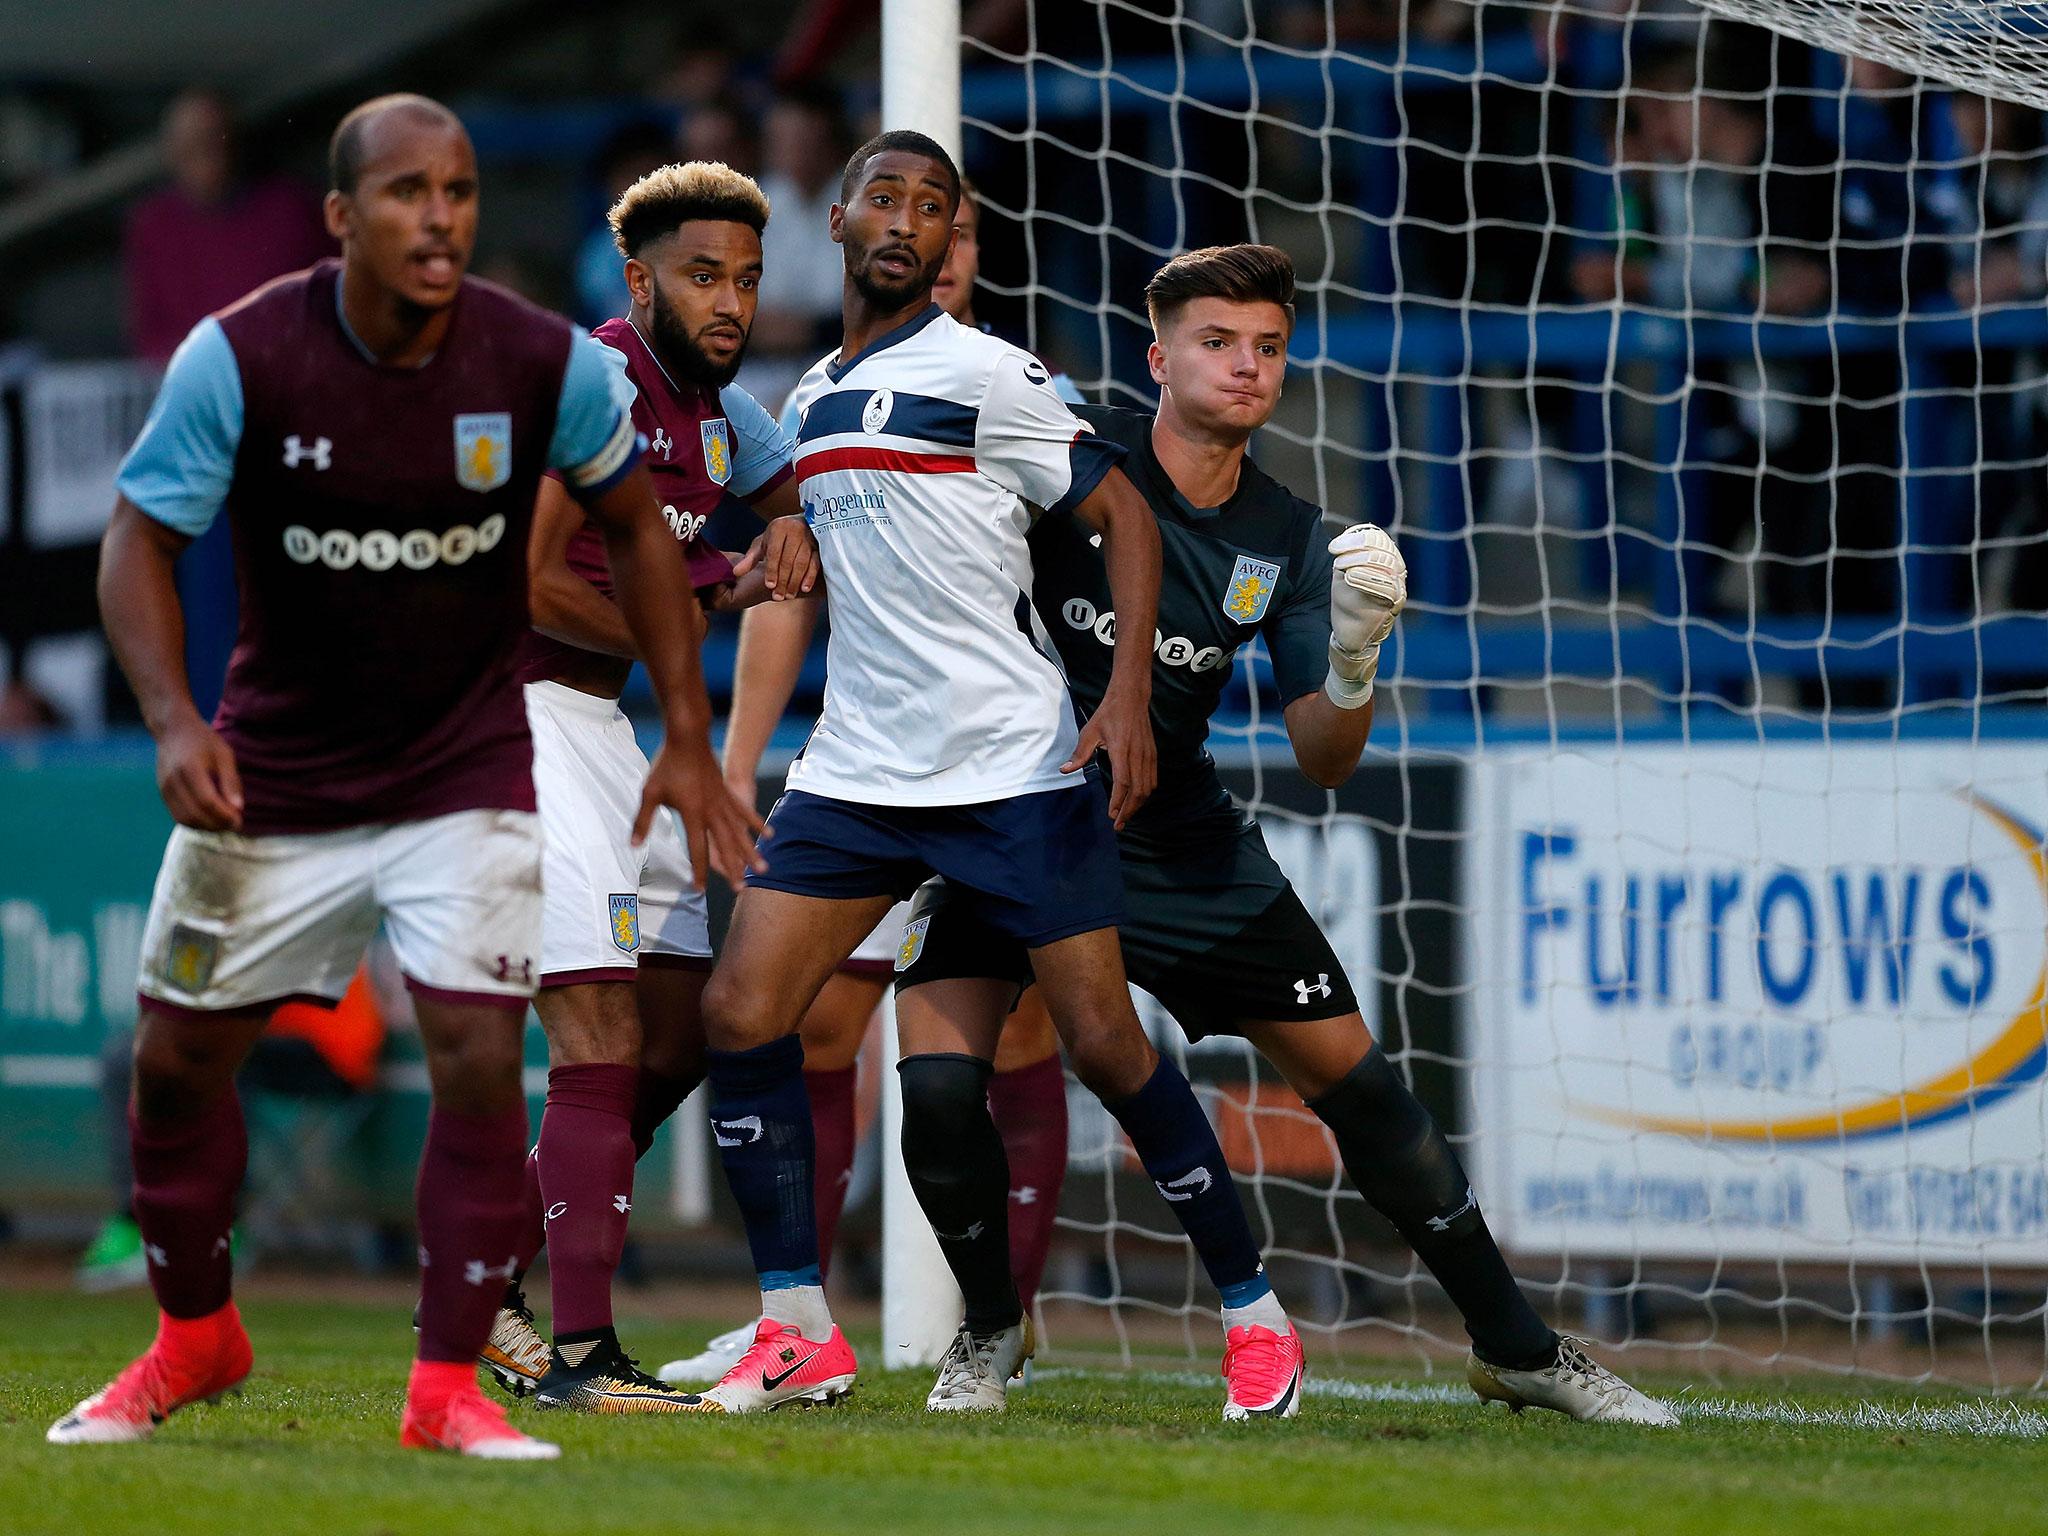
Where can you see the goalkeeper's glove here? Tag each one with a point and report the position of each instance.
(1367, 590)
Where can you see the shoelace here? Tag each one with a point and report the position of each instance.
(1573, 1361)
(969, 1362)
(1266, 1369)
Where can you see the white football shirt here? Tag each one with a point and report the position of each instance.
(922, 463)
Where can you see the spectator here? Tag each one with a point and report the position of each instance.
(213, 234)
(719, 131)
(630, 153)
(803, 152)
(2007, 264)
(25, 710)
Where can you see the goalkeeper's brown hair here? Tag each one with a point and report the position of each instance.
(671, 196)
(1243, 274)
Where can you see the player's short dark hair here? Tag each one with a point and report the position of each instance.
(1243, 274)
(667, 198)
(901, 141)
(346, 152)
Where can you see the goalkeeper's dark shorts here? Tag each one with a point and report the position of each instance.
(1213, 930)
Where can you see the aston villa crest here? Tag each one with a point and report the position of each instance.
(913, 943)
(717, 450)
(625, 920)
(1251, 589)
(483, 450)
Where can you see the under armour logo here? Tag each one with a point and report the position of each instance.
(960, 1237)
(1443, 1223)
(476, 1271)
(157, 1256)
(662, 442)
(737, 1133)
(1025, 1195)
(1195, 1182)
(1320, 987)
(621, 1204)
(296, 452)
(556, 1209)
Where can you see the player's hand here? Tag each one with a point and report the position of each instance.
(1368, 588)
(787, 553)
(1122, 727)
(719, 828)
(196, 775)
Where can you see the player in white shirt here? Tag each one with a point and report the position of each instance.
(1027, 1092)
(948, 746)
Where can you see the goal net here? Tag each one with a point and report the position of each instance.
(1696, 874)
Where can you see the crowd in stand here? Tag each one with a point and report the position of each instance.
(1646, 160)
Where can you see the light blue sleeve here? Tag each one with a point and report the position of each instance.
(595, 444)
(760, 448)
(1064, 386)
(179, 469)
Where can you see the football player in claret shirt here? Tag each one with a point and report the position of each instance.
(1212, 928)
(375, 430)
(625, 942)
(948, 745)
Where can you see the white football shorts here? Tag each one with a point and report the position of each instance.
(877, 952)
(605, 902)
(240, 921)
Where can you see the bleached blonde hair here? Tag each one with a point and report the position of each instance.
(673, 195)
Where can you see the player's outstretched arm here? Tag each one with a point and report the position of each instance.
(653, 584)
(1368, 588)
(195, 771)
(565, 606)
(1122, 725)
(773, 640)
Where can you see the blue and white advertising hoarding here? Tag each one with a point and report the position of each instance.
(1763, 1001)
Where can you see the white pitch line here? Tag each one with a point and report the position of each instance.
(1984, 1418)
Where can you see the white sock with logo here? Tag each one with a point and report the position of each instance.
(802, 1306)
(1266, 1312)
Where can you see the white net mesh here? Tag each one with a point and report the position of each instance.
(1696, 877)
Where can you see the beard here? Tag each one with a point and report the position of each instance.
(679, 349)
(887, 293)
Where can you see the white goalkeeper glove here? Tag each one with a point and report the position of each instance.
(1367, 591)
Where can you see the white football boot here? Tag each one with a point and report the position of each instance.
(1574, 1384)
(718, 1357)
(976, 1374)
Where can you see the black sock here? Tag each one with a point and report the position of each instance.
(1403, 1165)
(578, 1346)
(957, 1167)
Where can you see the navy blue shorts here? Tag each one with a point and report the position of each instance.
(1036, 868)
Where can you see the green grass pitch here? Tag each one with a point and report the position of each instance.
(311, 1446)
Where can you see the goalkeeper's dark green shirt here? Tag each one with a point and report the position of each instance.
(1257, 566)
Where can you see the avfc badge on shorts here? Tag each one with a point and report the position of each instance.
(625, 920)
(483, 450)
(1251, 589)
(717, 449)
(913, 943)
(190, 957)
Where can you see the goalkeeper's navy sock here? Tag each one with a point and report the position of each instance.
(956, 1166)
(658, 1096)
(1403, 1164)
(1178, 1147)
(761, 1120)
